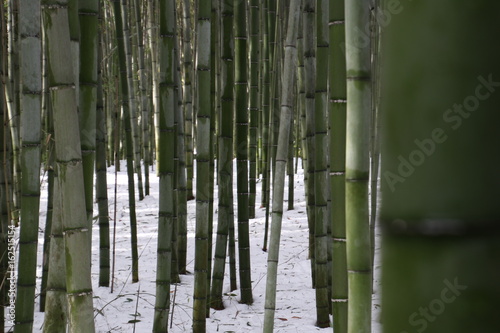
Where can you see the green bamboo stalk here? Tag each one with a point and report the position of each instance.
(102, 185)
(165, 163)
(375, 139)
(301, 96)
(175, 222)
(143, 95)
(309, 84)
(56, 308)
(270, 28)
(321, 213)
(203, 135)
(117, 115)
(276, 72)
(254, 103)
(127, 123)
(214, 92)
(225, 155)
(13, 105)
(31, 89)
(181, 175)
(70, 168)
(274, 15)
(265, 104)
(289, 166)
(262, 56)
(358, 248)
(188, 93)
(337, 118)
(281, 158)
(153, 37)
(241, 128)
(297, 139)
(441, 239)
(181, 188)
(232, 249)
(108, 80)
(133, 110)
(74, 36)
(49, 161)
(88, 12)
(4, 195)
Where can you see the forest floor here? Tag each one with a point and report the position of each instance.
(130, 307)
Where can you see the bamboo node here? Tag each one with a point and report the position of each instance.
(339, 300)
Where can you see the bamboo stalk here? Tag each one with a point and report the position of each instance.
(281, 160)
(358, 71)
(31, 92)
(337, 118)
(253, 102)
(127, 123)
(70, 169)
(165, 122)
(203, 158)
(439, 183)
(225, 162)
(241, 129)
(309, 82)
(321, 193)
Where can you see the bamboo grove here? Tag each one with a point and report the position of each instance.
(181, 88)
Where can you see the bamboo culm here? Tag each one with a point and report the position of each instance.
(281, 161)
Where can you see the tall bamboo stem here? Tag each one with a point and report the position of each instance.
(337, 118)
(203, 158)
(31, 92)
(281, 160)
(358, 247)
(439, 182)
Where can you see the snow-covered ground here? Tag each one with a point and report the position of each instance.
(134, 302)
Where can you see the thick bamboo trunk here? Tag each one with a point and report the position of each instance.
(175, 221)
(88, 12)
(241, 129)
(337, 118)
(309, 82)
(439, 173)
(31, 89)
(56, 308)
(70, 169)
(203, 158)
(165, 163)
(359, 258)
(225, 154)
(102, 187)
(321, 192)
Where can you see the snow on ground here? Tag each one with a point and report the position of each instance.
(116, 312)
